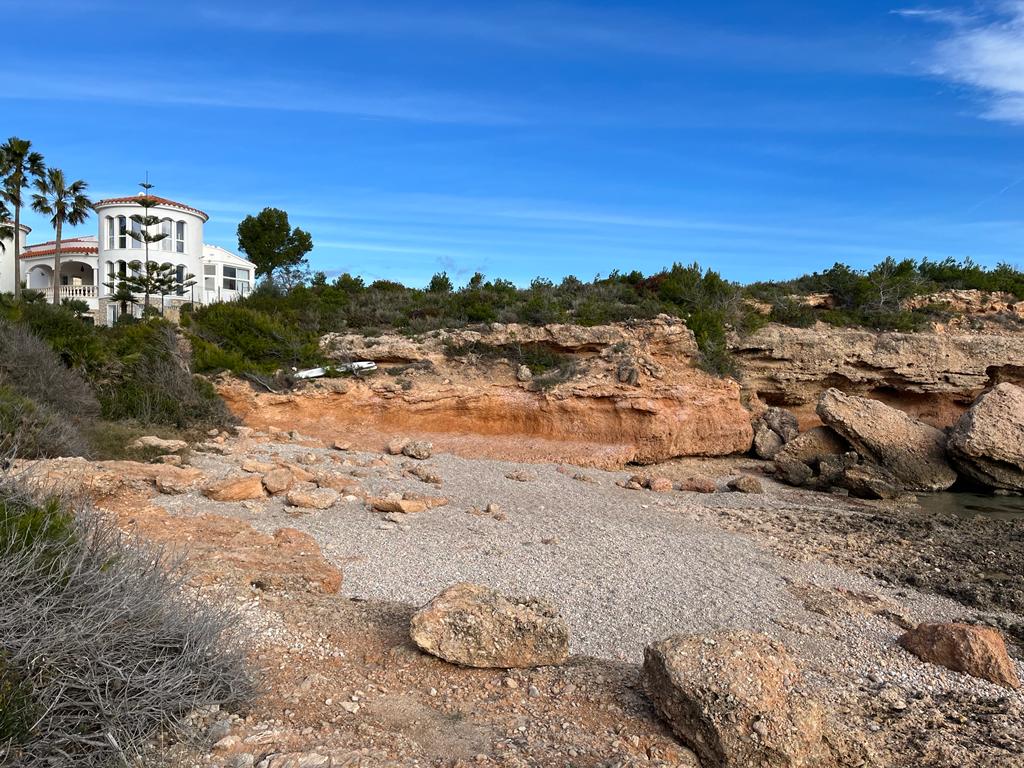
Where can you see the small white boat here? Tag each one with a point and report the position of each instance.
(355, 368)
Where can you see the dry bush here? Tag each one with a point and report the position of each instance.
(102, 647)
(37, 430)
(30, 367)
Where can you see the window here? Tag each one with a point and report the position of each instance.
(122, 232)
(236, 279)
(179, 278)
(137, 232)
(165, 230)
(111, 233)
(179, 237)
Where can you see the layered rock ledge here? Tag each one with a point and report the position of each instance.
(628, 392)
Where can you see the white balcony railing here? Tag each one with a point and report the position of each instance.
(73, 292)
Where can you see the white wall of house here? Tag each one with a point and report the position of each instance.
(183, 247)
(225, 276)
(7, 260)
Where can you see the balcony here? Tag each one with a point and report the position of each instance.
(72, 292)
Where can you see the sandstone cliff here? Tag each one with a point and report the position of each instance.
(932, 375)
(634, 395)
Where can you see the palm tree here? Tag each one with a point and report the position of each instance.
(65, 204)
(17, 163)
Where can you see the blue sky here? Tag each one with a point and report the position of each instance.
(523, 139)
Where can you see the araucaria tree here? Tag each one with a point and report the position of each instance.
(65, 204)
(270, 242)
(18, 166)
(142, 234)
(149, 278)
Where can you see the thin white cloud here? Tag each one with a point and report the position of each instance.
(377, 103)
(984, 53)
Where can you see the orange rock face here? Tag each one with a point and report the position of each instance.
(974, 650)
(636, 395)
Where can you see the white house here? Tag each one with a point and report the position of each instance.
(88, 263)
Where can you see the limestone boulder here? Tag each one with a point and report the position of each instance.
(781, 422)
(236, 489)
(745, 484)
(767, 441)
(418, 449)
(987, 443)
(278, 480)
(476, 626)
(974, 650)
(736, 699)
(812, 446)
(152, 441)
(792, 471)
(698, 484)
(312, 498)
(914, 452)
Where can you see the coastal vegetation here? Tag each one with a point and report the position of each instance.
(278, 325)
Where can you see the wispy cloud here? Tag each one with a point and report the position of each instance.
(380, 101)
(563, 29)
(984, 53)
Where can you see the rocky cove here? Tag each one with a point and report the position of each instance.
(522, 545)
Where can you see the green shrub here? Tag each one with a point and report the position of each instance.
(18, 711)
(209, 358)
(151, 384)
(255, 336)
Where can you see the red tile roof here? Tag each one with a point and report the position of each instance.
(160, 200)
(68, 248)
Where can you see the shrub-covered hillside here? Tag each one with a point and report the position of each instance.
(68, 387)
(278, 327)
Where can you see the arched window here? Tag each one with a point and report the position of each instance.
(179, 237)
(137, 231)
(111, 233)
(122, 232)
(165, 229)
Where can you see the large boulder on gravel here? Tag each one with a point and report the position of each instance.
(735, 699)
(782, 422)
(974, 650)
(152, 441)
(236, 489)
(418, 449)
(812, 446)
(475, 626)
(312, 498)
(913, 451)
(774, 428)
(987, 443)
(767, 441)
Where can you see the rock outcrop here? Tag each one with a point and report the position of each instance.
(987, 443)
(474, 626)
(629, 392)
(912, 451)
(933, 376)
(973, 650)
(735, 699)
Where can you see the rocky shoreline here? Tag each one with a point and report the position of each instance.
(624, 568)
